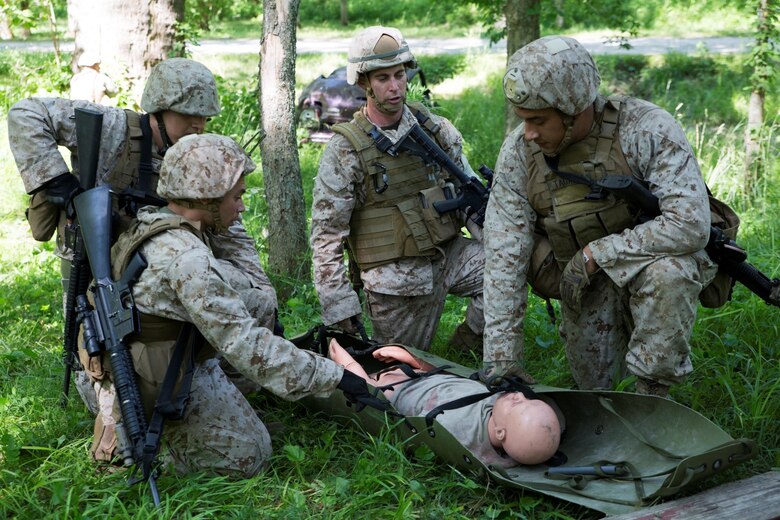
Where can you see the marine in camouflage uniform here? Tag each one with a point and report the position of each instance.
(202, 178)
(409, 258)
(629, 290)
(179, 92)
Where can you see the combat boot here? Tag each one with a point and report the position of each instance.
(648, 387)
(465, 339)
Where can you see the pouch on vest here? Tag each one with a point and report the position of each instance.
(544, 273)
(440, 227)
(718, 292)
(43, 217)
(426, 228)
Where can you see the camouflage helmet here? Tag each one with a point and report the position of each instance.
(202, 166)
(552, 72)
(375, 48)
(181, 85)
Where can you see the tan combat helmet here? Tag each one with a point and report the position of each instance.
(552, 72)
(181, 85)
(375, 48)
(202, 166)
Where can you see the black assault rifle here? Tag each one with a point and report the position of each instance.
(114, 316)
(472, 197)
(88, 125)
(729, 256)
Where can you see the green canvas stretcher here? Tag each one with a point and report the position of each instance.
(658, 445)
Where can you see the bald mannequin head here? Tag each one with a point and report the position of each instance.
(526, 429)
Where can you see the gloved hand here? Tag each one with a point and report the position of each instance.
(356, 390)
(61, 189)
(350, 325)
(507, 369)
(574, 281)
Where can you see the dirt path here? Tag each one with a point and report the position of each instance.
(595, 44)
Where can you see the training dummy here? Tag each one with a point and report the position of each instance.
(617, 450)
(506, 429)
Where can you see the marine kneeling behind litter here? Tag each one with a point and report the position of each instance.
(202, 177)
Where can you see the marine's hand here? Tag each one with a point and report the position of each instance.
(575, 279)
(61, 189)
(350, 325)
(356, 390)
(511, 369)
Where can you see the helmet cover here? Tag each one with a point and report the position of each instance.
(181, 85)
(202, 166)
(376, 48)
(552, 72)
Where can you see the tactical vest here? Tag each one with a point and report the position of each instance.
(44, 217)
(567, 215)
(153, 347)
(397, 219)
(127, 173)
(569, 219)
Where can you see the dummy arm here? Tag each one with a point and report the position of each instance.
(337, 353)
(392, 353)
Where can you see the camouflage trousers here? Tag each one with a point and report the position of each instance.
(412, 320)
(643, 328)
(220, 432)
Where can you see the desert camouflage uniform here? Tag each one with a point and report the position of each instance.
(639, 309)
(37, 126)
(405, 298)
(220, 431)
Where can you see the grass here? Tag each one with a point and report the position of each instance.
(322, 469)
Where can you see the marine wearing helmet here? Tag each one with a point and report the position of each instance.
(191, 177)
(552, 72)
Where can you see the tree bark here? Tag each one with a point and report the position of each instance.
(522, 27)
(130, 37)
(288, 244)
(755, 119)
(344, 14)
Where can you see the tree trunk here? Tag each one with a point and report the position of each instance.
(560, 21)
(344, 17)
(129, 37)
(755, 120)
(288, 244)
(6, 33)
(522, 27)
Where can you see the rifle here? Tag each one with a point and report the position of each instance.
(729, 256)
(472, 195)
(109, 322)
(89, 125)
(114, 316)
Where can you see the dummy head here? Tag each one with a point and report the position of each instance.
(526, 429)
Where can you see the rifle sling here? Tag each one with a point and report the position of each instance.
(167, 405)
(145, 168)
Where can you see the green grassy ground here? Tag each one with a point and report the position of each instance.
(321, 468)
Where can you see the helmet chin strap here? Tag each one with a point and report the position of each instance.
(568, 122)
(167, 143)
(384, 108)
(211, 207)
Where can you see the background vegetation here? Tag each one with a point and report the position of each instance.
(322, 469)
